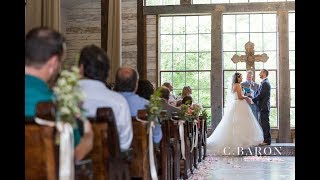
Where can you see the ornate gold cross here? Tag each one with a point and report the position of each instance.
(250, 58)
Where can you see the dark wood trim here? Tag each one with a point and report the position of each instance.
(228, 7)
(157, 52)
(141, 41)
(104, 24)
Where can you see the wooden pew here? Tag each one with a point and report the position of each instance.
(41, 151)
(108, 161)
(165, 157)
(203, 142)
(140, 165)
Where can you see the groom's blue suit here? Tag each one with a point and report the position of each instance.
(262, 99)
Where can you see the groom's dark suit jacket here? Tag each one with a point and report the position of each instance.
(262, 96)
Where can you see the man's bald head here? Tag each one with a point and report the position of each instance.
(126, 80)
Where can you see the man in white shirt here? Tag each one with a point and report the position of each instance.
(94, 68)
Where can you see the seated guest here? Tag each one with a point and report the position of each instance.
(172, 98)
(186, 91)
(127, 85)
(145, 88)
(187, 100)
(164, 94)
(44, 51)
(94, 69)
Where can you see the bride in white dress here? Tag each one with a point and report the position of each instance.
(238, 128)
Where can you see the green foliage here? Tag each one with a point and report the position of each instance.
(154, 108)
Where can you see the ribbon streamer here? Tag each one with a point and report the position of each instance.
(181, 133)
(194, 138)
(66, 149)
(153, 170)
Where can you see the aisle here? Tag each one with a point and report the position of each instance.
(246, 168)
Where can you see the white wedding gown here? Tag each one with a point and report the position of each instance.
(237, 130)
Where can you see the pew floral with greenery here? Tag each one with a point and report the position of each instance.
(68, 96)
(190, 112)
(204, 114)
(154, 108)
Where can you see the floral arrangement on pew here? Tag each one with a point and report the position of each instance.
(204, 114)
(154, 108)
(190, 112)
(68, 103)
(69, 96)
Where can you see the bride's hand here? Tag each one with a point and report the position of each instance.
(249, 100)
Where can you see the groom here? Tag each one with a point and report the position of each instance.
(262, 99)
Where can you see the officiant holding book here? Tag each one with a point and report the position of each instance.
(249, 88)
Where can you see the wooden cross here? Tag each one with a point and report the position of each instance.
(250, 58)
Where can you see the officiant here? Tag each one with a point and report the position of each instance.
(250, 87)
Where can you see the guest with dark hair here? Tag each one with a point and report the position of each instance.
(145, 88)
(187, 100)
(127, 85)
(94, 67)
(44, 50)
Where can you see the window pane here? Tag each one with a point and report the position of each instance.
(179, 25)
(179, 79)
(204, 24)
(256, 23)
(227, 62)
(192, 43)
(195, 95)
(270, 41)
(191, 61)
(229, 42)
(166, 61)
(242, 24)
(204, 42)
(204, 61)
(273, 97)
(179, 61)
(208, 110)
(269, 23)
(292, 41)
(204, 97)
(166, 43)
(192, 80)
(273, 117)
(259, 65)
(292, 59)
(292, 24)
(272, 79)
(292, 97)
(242, 39)
(166, 77)
(229, 24)
(192, 24)
(204, 80)
(227, 78)
(272, 61)
(292, 117)
(179, 43)
(166, 25)
(256, 38)
(292, 79)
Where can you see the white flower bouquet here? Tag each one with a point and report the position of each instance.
(68, 96)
